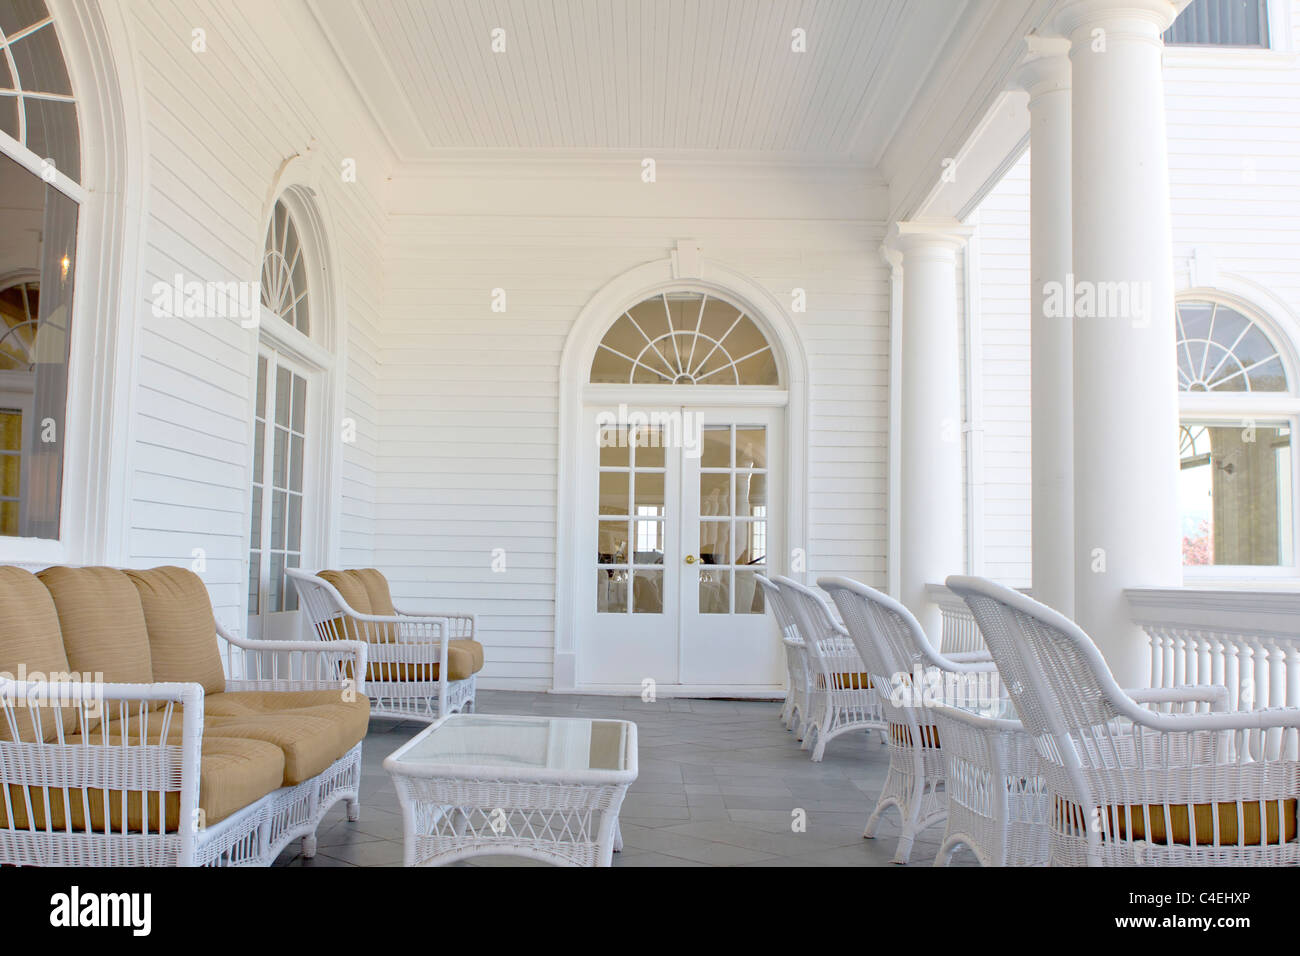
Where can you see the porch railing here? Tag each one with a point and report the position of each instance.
(960, 632)
(1246, 640)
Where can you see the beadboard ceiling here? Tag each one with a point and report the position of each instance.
(671, 75)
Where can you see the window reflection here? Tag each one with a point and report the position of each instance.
(1235, 491)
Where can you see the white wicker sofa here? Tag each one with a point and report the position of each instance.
(134, 731)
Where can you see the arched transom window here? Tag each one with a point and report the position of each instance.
(284, 272)
(685, 338)
(1237, 480)
(1221, 350)
(36, 104)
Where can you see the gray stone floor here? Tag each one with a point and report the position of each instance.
(718, 782)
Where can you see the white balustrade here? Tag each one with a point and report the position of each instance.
(1246, 640)
(960, 633)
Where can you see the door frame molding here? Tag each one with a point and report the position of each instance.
(601, 311)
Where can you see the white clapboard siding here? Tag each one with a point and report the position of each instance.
(470, 437)
(218, 126)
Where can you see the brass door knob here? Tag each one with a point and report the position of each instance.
(690, 559)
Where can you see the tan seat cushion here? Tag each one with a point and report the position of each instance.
(234, 772)
(846, 681)
(313, 728)
(901, 735)
(182, 631)
(1204, 815)
(475, 650)
(102, 622)
(465, 658)
(30, 643)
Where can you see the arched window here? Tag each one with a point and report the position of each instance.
(288, 412)
(684, 338)
(40, 166)
(1221, 350)
(1236, 468)
(284, 272)
(36, 104)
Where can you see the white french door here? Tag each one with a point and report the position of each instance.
(281, 481)
(680, 515)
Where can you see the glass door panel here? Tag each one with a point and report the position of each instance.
(631, 614)
(725, 635)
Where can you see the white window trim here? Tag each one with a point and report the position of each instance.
(1241, 408)
(95, 515)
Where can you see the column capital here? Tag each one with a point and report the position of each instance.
(943, 236)
(892, 256)
(1045, 67)
(1139, 19)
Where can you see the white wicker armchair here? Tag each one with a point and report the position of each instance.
(403, 651)
(796, 666)
(896, 650)
(1130, 786)
(145, 784)
(841, 698)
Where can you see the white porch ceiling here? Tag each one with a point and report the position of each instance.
(671, 75)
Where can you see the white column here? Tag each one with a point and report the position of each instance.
(1045, 75)
(930, 448)
(1125, 387)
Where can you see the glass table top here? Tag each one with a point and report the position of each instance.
(1001, 709)
(526, 743)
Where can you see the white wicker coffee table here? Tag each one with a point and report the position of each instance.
(548, 788)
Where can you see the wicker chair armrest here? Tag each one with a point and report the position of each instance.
(1216, 695)
(948, 663)
(969, 657)
(104, 758)
(462, 618)
(294, 665)
(1281, 718)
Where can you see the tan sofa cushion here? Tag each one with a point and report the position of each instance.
(313, 728)
(182, 631)
(30, 636)
(465, 658)
(102, 622)
(234, 772)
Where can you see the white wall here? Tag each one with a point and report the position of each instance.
(1234, 155)
(219, 125)
(469, 444)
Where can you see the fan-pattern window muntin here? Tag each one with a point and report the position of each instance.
(284, 271)
(1222, 350)
(20, 310)
(37, 107)
(684, 338)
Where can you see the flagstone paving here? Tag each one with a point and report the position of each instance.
(719, 785)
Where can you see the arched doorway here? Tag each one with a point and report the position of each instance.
(677, 489)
